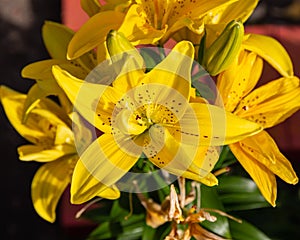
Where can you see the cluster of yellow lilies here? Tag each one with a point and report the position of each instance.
(93, 133)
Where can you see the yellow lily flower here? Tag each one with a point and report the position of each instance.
(237, 10)
(150, 113)
(48, 128)
(146, 22)
(268, 106)
(56, 38)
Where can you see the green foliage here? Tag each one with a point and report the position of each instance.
(246, 231)
(240, 193)
(125, 218)
(210, 199)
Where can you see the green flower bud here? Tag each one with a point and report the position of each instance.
(117, 43)
(224, 49)
(121, 51)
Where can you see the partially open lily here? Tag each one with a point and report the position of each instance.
(56, 38)
(48, 129)
(151, 113)
(268, 106)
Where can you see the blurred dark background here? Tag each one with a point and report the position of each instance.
(20, 44)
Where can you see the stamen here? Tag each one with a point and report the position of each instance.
(198, 190)
(82, 210)
(222, 170)
(156, 14)
(130, 207)
(181, 183)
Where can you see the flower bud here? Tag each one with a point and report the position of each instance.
(117, 43)
(121, 50)
(224, 49)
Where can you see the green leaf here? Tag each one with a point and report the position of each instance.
(117, 212)
(240, 193)
(226, 158)
(163, 192)
(100, 214)
(149, 233)
(116, 222)
(201, 81)
(120, 228)
(204, 90)
(151, 57)
(106, 230)
(210, 199)
(156, 233)
(246, 231)
(133, 227)
(202, 48)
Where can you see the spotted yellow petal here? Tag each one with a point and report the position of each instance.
(264, 46)
(239, 79)
(49, 183)
(137, 29)
(194, 9)
(94, 32)
(216, 126)
(164, 151)
(216, 17)
(85, 97)
(263, 148)
(104, 162)
(271, 103)
(191, 14)
(262, 176)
